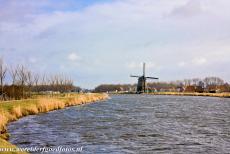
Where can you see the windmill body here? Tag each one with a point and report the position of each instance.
(141, 84)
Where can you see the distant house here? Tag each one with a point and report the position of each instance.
(199, 89)
(224, 88)
(190, 89)
(152, 90)
(218, 89)
(180, 89)
(211, 89)
(193, 88)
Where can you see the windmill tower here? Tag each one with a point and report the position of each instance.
(141, 84)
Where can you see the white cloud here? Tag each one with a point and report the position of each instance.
(122, 31)
(73, 57)
(138, 65)
(191, 8)
(133, 65)
(182, 64)
(199, 61)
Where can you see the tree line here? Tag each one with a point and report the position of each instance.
(21, 82)
(206, 83)
(114, 87)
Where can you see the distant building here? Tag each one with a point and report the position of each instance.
(199, 89)
(211, 89)
(224, 88)
(180, 89)
(193, 88)
(190, 89)
(217, 88)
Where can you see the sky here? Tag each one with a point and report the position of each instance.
(104, 41)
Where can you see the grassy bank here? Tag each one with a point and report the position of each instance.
(13, 110)
(227, 95)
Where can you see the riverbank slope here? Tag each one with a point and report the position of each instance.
(13, 110)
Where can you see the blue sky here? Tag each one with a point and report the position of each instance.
(104, 41)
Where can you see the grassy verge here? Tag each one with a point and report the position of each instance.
(193, 94)
(13, 110)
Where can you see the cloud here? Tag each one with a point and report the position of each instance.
(137, 65)
(191, 8)
(73, 57)
(116, 36)
(182, 64)
(11, 10)
(134, 65)
(199, 61)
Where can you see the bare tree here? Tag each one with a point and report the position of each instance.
(213, 81)
(13, 74)
(3, 70)
(30, 81)
(22, 74)
(36, 81)
(179, 83)
(187, 82)
(43, 79)
(25, 82)
(195, 81)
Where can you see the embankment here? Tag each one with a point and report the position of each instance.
(13, 110)
(226, 95)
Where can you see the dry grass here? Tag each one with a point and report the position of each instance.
(193, 94)
(13, 110)
(3, 121)
(5, 144)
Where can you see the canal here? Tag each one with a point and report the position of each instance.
(132, 124)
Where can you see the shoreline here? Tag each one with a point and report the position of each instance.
(13, 110)
(221, 95)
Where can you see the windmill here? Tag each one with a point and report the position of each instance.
(141, 85)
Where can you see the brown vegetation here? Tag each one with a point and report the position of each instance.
(12, 110)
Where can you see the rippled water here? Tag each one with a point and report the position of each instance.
(132, 124)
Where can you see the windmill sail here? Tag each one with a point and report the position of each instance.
(141, 85)
(143, 69)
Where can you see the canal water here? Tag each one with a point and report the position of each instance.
(132, 124)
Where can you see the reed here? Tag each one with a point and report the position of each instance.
(13, 110)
